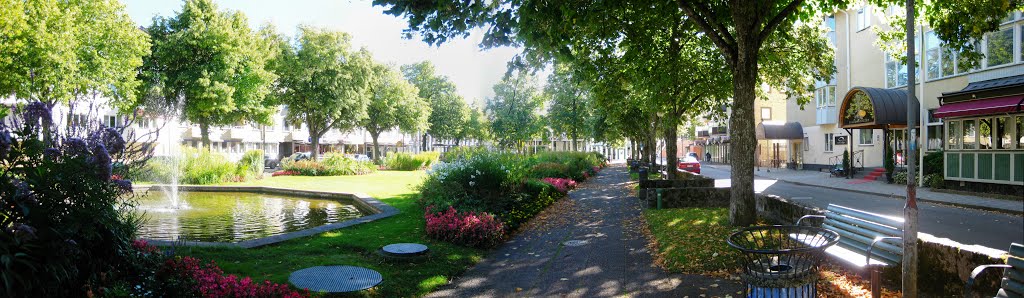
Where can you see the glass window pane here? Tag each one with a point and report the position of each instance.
(948, 62)
(1020, 132)
(831, 97)
(1020, 44)
(933, 63)
(1005, 139)
(935, 137)
(953, 132)
(890, 74)
(970, 134)
(999, 50)
(865, 136)
(985, 130)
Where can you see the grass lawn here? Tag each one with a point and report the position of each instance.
(355, 245)
(692, 240)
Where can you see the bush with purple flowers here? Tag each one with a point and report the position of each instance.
(61, 216)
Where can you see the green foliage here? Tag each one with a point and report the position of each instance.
(394, 103)
(569, 109)
(58, 51)
(250, 166)
(324, 82)
(156, 170)
(901, 178)
(514, 111)
(934, 180)
(402, 161)
(202, 166)
(477, 128)
(889, 162)
(331, 165)
(705, 230)
(934, 163)
(846, 161)
(463, 152)
(449, 111)
(574, 165)
(212, 62)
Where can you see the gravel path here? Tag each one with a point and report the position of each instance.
(609, 258)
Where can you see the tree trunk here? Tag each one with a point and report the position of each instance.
(204, 132)
(424, 141)
(742, 208)
(314, 144)
(671, 161)
(376, 147)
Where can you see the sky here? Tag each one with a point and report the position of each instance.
(474, 71)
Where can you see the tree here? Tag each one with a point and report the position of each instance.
(59, 51)
(569, 109)
(514, 111)
(449, 110)
(324, 83)
(477, 127)
(211, 64)
(394, 103)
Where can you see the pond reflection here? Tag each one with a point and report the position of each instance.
(235, 217)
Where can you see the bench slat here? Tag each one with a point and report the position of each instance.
(870, 234)
(1016, 275)
(881, 255)
(866, 241)
(1017, 250)
(1013, 286)
(878, 229)
(1017, 263)
(864, 215)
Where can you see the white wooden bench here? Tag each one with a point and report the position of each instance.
(1012, 284)
(866, 240)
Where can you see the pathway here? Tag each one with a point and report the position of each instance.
(613, 261)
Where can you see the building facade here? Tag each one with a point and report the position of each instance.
(856, 111)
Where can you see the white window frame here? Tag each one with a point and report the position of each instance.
(830, 145)
(860, 137)
(863, 18)
(768, 110)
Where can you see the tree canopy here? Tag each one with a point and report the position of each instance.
(449, 110)
(514, 111)
(393, 103)
(212, 64)
(324, 83)
(569, 110)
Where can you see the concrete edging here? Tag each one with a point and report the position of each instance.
(362, 201)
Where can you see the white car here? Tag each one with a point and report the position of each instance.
(358, 157)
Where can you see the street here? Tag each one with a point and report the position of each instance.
(967, 226)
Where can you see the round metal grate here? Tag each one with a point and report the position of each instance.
(575, 243)
(335, 279)
(405, 249)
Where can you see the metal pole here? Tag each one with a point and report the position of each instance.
(910, 210)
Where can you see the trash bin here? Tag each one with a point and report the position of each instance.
(642, 173)
(782, 261)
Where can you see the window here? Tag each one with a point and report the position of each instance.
(999, 47)
(1004, 133)
(766, 113)
(825, 96)
(953, 133)
(1020, 132)
(866, 136)
(829, 142)
(807, 144)
(985, 131)
(863, 18)
(830, 22)
(896, 72)
(935, 137)
(970, 134)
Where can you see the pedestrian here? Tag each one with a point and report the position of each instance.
(707, 156)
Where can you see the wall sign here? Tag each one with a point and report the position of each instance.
(842, 140)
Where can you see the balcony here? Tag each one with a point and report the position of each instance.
(826, 115)
(241, 133)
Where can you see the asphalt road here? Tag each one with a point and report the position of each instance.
(967, 226)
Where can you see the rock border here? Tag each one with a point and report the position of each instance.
(364, 202)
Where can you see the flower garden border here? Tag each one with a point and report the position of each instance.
(365, 203)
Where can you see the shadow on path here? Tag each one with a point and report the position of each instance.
(609, 258)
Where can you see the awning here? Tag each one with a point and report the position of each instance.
(788, 131)
(870, 108)
(1010, 104)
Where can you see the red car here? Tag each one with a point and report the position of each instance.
(690, 164)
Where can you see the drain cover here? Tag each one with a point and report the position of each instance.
(575, 243)
(405, 249)
(335, 279)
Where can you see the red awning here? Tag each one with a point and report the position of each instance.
(981, 107)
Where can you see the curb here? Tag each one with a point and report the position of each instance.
(926, 200)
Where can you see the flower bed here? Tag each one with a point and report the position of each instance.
(511, 188)
(331, 165)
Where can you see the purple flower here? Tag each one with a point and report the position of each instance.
(101, 160)
(36, 113)
(124, 185)
(24, 232)
(75, 147)
(23, 193)
(5, 142)
(51, 153)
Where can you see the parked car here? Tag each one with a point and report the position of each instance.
(690, 164)
(693, 154)
(270, 162)
(301, 156)
(358, 157)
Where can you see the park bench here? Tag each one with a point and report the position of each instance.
(865, 239)
(1012, 284)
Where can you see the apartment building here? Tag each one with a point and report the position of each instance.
(973, 115)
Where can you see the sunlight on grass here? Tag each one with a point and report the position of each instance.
(693, 240)
(433, 282)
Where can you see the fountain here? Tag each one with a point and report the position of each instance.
(174, 156)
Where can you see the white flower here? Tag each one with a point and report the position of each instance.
(472, 183)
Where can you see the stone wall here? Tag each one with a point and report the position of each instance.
(688, 197)
(944, 265)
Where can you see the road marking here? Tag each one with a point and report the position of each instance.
(801, 198)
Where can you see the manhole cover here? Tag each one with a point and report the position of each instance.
(335, 279)
(405, 249)
(575, 243)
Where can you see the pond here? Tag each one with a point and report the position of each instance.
(236, 216)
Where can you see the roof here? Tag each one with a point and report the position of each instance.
(787, 131)
(987, 89)
(889, 108)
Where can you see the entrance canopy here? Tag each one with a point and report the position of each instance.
(1011, 104)
(870, 108)
(788, 131)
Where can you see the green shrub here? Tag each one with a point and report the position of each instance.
(578, 165)
(934, 180)
(901, 178)
(934, 163)
(156, 169)
(463, 152)
(331, 165)
(201, 166)
(401, 161)
(550, 170)
(250, 166)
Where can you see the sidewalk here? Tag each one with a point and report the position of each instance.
(608, 259)
(822, 179)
